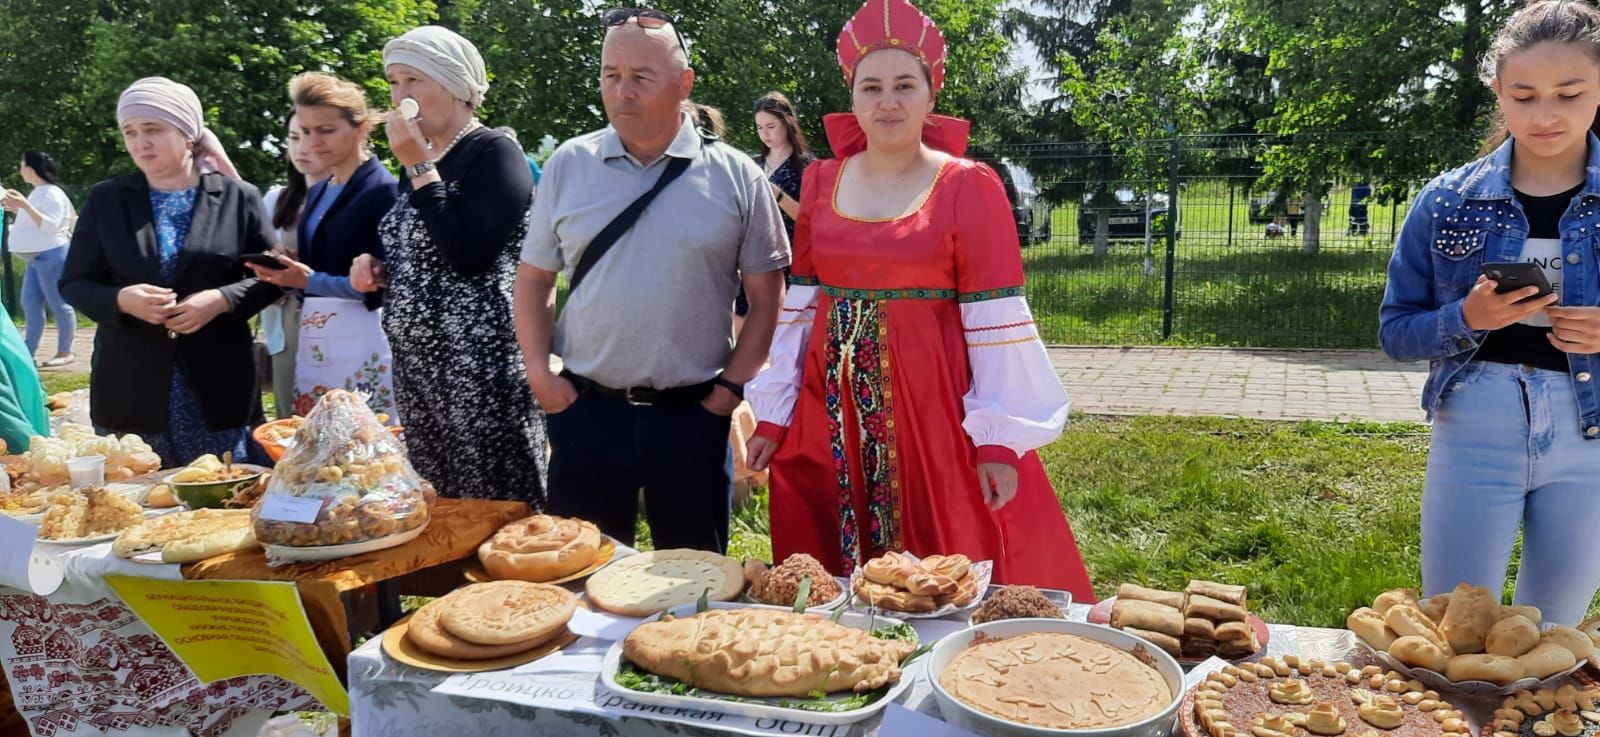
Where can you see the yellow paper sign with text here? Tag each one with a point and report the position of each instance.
(226, 629)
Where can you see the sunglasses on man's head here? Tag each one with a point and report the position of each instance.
(647, 18)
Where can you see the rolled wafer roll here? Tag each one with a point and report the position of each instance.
(1136, 592)
(1216, 610)
(1200, 627)
(1236, 633)
(1147, 615)
(1164, 641)
(1219, 591)
(1195, 647)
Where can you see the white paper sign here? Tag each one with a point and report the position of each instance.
(22, 565)
(601, 625)
(898, 720)
(571, 692)
(616, 705)
(285, 508)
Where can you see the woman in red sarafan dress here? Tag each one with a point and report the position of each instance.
(908, 387)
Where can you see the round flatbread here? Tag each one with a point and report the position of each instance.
(641, 585)
(507, 612)
(424, 631)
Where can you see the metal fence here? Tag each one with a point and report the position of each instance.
(1253, 257)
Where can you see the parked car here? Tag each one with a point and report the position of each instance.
(1031, 215)
(1126, 212)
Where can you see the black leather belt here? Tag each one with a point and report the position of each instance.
(642, 396)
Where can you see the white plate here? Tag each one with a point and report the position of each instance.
(985, 570)
(1476, 689)
(292, 554)
(32, 519)
(82, 540)
(827, 606)
(759, 708)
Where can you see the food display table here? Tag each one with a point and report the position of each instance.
(455, 529)
(389, 699)
(79, 661)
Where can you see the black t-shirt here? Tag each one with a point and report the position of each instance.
(1526, 344)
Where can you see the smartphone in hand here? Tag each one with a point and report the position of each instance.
(1510, 277)
(264, 260)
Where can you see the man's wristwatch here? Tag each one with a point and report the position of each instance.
(737, 389)
(412, 172)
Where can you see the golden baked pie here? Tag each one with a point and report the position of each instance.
(765, 653)
(540, 548)
(1056, 681)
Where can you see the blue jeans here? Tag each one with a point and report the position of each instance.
(40, 287)
(1508, 454)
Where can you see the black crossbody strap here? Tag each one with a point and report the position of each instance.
(621, 223)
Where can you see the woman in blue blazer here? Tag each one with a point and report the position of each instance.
(342, 344)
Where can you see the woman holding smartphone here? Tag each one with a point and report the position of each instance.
(1512, 391)
(341, 342)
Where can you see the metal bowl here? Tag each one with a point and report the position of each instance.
(959, 714)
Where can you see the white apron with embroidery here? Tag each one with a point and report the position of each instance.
(342, 346)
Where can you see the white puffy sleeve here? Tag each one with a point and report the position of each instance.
(1016, 403)
(773, 393)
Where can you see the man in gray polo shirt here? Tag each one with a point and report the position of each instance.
(652, 372)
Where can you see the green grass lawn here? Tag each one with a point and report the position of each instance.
(1231, 286)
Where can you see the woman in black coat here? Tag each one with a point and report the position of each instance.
(155, 261)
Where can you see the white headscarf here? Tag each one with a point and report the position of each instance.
(445, 57)
(178, 106)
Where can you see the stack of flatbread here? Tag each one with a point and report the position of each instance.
(486, 621)
(183, 537)
(1203, 620)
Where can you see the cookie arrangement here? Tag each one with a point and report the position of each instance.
(1295, 697)
(1468, 636)
(1205, 619)
(89, 514)
(1567, 711)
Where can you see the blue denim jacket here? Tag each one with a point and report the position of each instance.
(1461, 220)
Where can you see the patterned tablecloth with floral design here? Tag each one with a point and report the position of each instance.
(79, 662)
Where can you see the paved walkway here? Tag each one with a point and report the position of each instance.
(82, 348)
(1264, 384)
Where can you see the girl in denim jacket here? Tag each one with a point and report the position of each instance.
(1516, 417)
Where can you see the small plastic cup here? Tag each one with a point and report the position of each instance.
(87, 471)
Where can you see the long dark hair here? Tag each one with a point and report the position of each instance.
(41, 164)
(1543, 21)
(778, 106)
(287, 211)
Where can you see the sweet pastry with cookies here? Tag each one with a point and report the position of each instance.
(345, 457)
(491, 620)
(540, 548)
(1293, 697)
(1055, 680)
(184, 537)
(780, 585)
(765, 653)
(1568, 711)
(645, 584)
(897, 582)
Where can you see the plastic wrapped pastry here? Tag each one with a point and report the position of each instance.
(344, 456)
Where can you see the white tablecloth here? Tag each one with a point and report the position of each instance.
(79, 662)
(388, 699)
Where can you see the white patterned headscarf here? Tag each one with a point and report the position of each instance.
(445, 57)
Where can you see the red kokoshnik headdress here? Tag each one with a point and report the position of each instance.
(893, 24)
